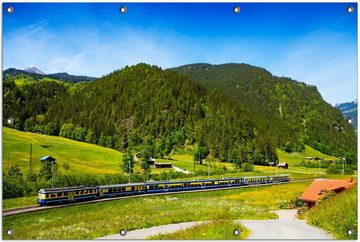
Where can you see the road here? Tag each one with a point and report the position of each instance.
(145, 233)
(286, 227)
(181, 170)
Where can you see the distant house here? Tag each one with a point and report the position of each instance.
(309, 158)
(320, 186)
(151, 161)
(283, 165)
(163, 165)
(47, 158)
(317, 158)
(271, 163)
(38, 131)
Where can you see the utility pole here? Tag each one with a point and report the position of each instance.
(30, 157)
(343, 169)
(52, 171)
(129, 171)
(194, 156)
(208, 169)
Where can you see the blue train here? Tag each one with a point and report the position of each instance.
(81, 193)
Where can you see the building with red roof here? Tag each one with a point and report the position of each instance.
(320, 186)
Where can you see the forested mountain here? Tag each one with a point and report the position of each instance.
(349, 110)
(136, 106)
(292, 112)
(31, 74)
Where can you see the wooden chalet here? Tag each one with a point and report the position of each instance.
(283, 165)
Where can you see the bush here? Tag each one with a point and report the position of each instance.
(302, 211)
(338, 169)
(247, 167)
(326, 196)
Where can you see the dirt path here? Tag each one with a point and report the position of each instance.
(144, 233)
(286, 227)
(181, 170)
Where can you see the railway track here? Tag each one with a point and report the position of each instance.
(37, 208)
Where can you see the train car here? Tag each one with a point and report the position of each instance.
(165, 186)
(256, 180)
(230, 182)
(200, 184)
(66, 194)
(280, 178)
(121, 189)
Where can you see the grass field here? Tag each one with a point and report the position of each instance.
(100, 219)
(337, 215)
(213, 230)
(83, 158)
(19, 202)
(296, 157)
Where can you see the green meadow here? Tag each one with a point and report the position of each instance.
(100, 219)
(212, 230)
(83, 158)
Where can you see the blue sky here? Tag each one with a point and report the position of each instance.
(312, 43)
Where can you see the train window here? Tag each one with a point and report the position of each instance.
(47, 196)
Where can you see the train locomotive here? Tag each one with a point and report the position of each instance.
(80, 193)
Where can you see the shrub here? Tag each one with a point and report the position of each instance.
(247, 167)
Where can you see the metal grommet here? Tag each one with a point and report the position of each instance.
(9, 232)
(122, 232)
(9, 121)
(123, 9)
(350, 121)
(350, 9)
(236, 9)
(9, 9)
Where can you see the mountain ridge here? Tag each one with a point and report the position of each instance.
(291, 111)
(349, 111)
(229, 108)
(61, 76)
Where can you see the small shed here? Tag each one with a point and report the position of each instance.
(309, 158)
(271, 163)
(283, 165)
(38, 131)
(151, 161)
(47, 158)
(163, 165)
(317, 158)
